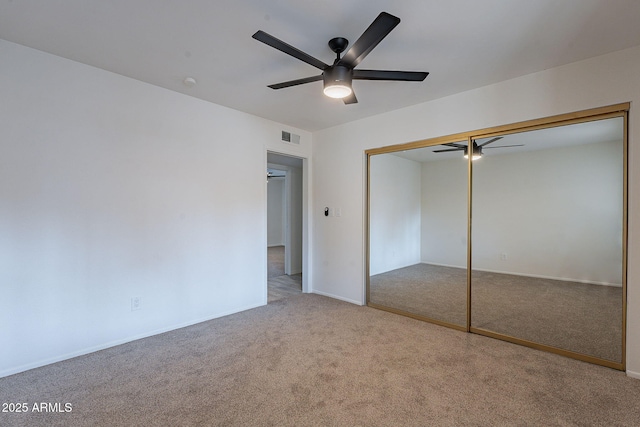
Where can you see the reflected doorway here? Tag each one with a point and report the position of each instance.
(284, 226)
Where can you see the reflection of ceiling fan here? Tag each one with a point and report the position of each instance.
(338, 76)
(275, 174)
(477, 148)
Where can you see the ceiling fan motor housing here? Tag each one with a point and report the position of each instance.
(337, 81)
(337, 74)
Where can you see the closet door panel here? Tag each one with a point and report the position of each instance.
(417, 237)
(547, 223)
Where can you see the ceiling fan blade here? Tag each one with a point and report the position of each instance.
(296, 82)
(288, 49)
(490, 141)
(373, 35)
(351, 99)
(456, 145)
(505, 146)
(407, 76)
(449, 149)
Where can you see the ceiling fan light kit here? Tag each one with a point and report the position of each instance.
(337, 81)
(337, 78)
(477, 153)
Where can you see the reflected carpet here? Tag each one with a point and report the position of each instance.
(580, 317)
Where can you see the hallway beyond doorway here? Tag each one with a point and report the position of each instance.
(279, 284)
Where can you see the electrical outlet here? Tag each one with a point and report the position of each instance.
(136, 303)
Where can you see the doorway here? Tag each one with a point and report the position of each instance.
(285, 221)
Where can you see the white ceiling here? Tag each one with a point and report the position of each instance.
(464, 44)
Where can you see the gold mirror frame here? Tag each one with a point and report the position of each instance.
(612, 111)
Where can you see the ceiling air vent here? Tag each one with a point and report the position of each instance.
(290, 138)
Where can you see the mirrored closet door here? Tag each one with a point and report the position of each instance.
(548, 237)
(525, 241)
(418, 234)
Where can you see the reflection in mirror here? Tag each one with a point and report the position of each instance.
(547, 253)
(418, 233)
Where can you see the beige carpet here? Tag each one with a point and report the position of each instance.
(574, 316)
(314, 361)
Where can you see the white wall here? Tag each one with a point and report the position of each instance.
(395, 213)
(338, 158)
(444, 212)
(554, 213)
(110, 189)
(275, 212)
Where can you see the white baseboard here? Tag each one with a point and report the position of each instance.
(327, 294)
(92, 349)
(632, 374)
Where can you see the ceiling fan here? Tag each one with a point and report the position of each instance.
(337, 77)
(275, 174)
(476, 150)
